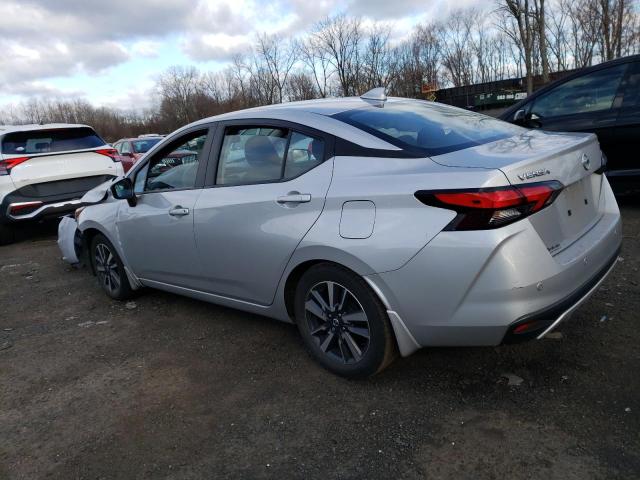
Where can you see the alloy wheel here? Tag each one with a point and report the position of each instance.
(107, 267)
(337, 322)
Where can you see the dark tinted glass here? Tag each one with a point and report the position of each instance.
(632, 88)
(143, 146)
(588, 93)
(45, 141)
(428, 128)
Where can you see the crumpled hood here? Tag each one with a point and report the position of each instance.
(99, 193)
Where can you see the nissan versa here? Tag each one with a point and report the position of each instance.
(378, 225)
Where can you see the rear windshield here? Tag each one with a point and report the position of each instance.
(427, 128)
(143, 146)
(45, 141)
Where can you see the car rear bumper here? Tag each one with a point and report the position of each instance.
(471, 288)
(51, 199)
(538, 324)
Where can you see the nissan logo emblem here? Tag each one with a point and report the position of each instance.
(586, 163)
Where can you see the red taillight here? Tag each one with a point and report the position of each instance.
(485, 208)
(8, 163)
(112, 153)
(24, 208)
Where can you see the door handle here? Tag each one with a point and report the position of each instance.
(295, 197)
(178, 211)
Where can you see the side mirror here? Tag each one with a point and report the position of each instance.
(123, 190)
(519, 117)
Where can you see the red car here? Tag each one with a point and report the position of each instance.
(131, 149)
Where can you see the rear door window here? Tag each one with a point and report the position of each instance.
(252, 155)
(304, 153)
(50, 141)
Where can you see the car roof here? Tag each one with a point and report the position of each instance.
(321, 106)
(4, 129)
(316, 114)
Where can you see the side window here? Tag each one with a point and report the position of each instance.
(175, 166)
(266, 154)
(141, 177)
(117, 146)
(251, 155)
(125, 147)
(632, 89)
(588, 93)
(303, 154)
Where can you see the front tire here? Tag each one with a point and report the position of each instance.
(109, 269)
(343, 324)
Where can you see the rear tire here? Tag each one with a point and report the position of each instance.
(109, 269)
(343, 324)
(7, 234)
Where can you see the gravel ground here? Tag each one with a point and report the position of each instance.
(168, 387)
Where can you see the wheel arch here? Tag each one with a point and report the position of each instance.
(88, 234)
(402, 337)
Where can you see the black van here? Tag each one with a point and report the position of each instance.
(603, 99)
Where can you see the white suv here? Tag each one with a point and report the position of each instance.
(45, 169)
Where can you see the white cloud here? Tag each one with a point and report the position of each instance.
(42, 89)
(43, 40)
(146, 48)
(218, 46)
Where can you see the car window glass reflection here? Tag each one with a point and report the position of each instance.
(304, 153)
(177, 168)
(252, 155)
(588, 93)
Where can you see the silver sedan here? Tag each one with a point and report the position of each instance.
(378, 225)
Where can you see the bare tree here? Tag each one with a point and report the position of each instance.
(541, 30)
(301, 87)
(416, 62)
(277, 58)
(557, 34)
(457, 47)
(177, 88)
(339, 39)
(314, 57)
(523, 35)
(616, 16)
(377, 58)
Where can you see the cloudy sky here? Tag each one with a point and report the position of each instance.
(111, 51)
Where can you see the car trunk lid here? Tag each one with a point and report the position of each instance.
(537, 156)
